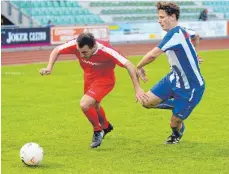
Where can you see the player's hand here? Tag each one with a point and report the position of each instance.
(141, 73)
(200, 60)
(45, 71)
(141, 96)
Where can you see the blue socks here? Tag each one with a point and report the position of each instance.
(180, 132)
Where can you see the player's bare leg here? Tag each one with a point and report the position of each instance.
(87, 104)
(153, 100)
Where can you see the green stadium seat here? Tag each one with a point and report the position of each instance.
(56, 4)
(60, 12)
(62, 4)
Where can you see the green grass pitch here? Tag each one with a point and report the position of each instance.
(46, 110)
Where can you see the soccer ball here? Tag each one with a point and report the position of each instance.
(31, 154)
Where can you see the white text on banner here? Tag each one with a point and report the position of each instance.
(60, 35)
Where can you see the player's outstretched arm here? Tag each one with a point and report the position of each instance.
(139, 93)
(148, 58)
(52, 59)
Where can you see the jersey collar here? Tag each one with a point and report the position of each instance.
(99, 46)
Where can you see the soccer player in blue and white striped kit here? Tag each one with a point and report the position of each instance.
(181, 89)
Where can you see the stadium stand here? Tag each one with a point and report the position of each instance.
(63, 12)
(135, 11)
(219, 7)
(59, 12)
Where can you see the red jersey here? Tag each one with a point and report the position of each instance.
(100, 65)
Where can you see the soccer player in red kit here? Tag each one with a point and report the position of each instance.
(98, 60)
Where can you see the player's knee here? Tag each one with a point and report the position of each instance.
(84, 105)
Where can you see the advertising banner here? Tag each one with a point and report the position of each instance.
(130, 32)
(207, 28)
(135, 32)
(61, 35)
(20, 37)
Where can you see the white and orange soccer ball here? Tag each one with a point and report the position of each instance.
(31, 154)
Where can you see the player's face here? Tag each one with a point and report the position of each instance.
(86, 52)
(165, 20)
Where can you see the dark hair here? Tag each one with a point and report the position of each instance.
(86, 39)
(170, 8)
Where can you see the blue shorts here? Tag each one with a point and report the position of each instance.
(184, 100)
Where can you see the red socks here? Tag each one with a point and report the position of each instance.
(97, 119)
(92, 116)
(102, 118)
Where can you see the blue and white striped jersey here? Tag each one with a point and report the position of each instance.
(182, 57)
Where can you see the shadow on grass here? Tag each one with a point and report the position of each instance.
(44, 166)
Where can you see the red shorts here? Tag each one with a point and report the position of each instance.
(98, 89)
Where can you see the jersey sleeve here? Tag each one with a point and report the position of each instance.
(168, 42)
(116, 57)
(68, 47)
(191, 32)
